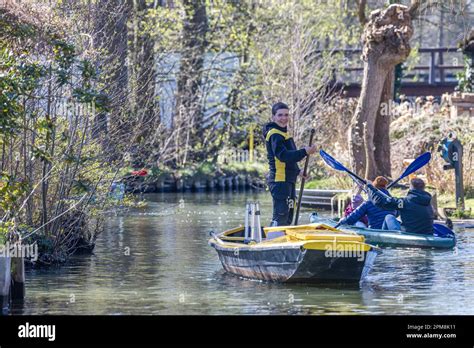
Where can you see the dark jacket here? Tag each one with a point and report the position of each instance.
(349, 210)
(415, 209)
(375, 214)
(282, 154)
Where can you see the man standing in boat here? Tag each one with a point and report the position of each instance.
(283, 157)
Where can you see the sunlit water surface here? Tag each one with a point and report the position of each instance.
(156, 260)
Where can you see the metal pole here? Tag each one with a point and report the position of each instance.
(252, 221)
(247, 212)
(457, 158)
(258, 233)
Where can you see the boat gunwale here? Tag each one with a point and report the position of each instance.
(296, 244)
(378, 231)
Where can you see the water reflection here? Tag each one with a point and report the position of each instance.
(156, 260)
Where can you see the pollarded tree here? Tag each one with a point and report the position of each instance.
(386, 36)
(385, 44)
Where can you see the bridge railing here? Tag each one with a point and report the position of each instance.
(436, 66)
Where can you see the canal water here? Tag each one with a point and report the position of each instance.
(156, 260)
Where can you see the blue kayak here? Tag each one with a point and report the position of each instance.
(443, 238)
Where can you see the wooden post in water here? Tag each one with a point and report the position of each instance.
(221, 184)
(18, 275)
(5, 281)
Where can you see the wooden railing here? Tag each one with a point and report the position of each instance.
(437, 71)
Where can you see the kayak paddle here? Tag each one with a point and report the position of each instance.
(443, 231)
(419, 162)
(331, 162)
(300, 196)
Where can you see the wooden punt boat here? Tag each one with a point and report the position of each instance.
(315, 253)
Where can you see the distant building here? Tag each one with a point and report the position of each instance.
(219, 70)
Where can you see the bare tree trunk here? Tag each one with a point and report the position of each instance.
(3, 154)
(111, 34)
(143, 78)
(382, 129)
(386, 43)
(45, 181)
(363, 160)
(361, 4)
(191, 66)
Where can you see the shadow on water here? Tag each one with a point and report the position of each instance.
(155, 260)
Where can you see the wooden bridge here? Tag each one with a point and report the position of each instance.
(432, 77)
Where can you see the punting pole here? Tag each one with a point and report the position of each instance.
(252, 220)
(305, 171)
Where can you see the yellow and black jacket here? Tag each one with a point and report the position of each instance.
(282, 154)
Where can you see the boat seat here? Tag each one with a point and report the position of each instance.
(274, 234)
(327, 235)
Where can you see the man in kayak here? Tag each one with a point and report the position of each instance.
(375, 215)
(415, 209)
(282, 157)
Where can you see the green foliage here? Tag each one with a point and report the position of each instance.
(93, 97)
(4, 229)
(40, 153)
(466, 77)
(11, 190)
(45, 244)
(87, 93)
(10, 82)
(254, 169)
(169, 27)
(462, 214)
(64, 56)
(35, 137)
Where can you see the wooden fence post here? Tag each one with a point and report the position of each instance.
(5, 281)
(18, 274)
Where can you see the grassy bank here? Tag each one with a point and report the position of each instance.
(331, 182)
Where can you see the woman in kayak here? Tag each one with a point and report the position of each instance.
(283, 157)
(375, 215)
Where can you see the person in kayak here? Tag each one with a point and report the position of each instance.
(283, 157)
(415, 209)
(355, 202)
(375, 215)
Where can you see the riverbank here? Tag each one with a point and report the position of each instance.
(205, 177)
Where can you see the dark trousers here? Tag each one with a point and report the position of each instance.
(284, 201)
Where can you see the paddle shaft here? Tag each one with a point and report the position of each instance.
(300, 195)
(418, 163)
(333, 163)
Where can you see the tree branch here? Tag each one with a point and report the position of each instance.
(361, 5)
